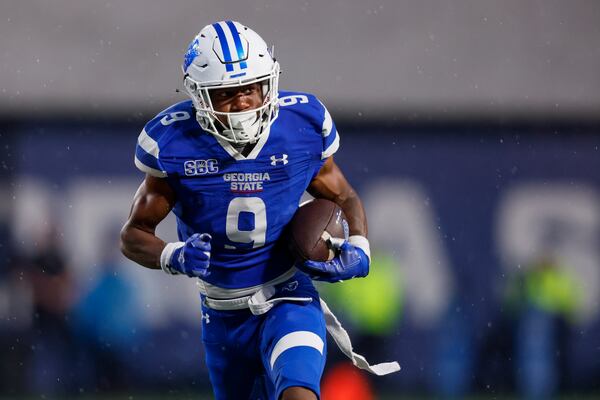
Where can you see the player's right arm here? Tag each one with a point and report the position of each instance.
(152, 202)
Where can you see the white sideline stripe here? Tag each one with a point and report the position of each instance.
(149, 145)
(327, 124)
(296, 339)
(150, 171)
(333, 147)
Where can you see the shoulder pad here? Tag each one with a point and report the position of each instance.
(157, 133)
(311, 108)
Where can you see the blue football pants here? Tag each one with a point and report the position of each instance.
(258, 357)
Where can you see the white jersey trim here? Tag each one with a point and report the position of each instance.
(233, 152)
(150, 171)
(149, 145)
(327, 124)
(333, 147)
(296, 339)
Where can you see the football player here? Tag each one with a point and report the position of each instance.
(232, 164)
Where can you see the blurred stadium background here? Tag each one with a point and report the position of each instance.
(471, 129)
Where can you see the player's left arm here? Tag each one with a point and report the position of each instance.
(354, 256)
(331, 184)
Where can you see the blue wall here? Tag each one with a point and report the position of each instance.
(464, 169)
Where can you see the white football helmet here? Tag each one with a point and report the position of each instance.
(229, 54)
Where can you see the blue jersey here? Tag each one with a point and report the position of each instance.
(245, 203)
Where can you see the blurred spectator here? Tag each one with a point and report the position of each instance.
(104, 322)
(544, 299)
(371, 308)
(15, 318)
(45, 269)
(493, 359)
(451, 376)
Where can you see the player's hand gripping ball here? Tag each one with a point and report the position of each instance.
(317, 230)
(193, 258)
(351, 262)
(319, 238)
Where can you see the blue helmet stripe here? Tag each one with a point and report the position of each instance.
(224, 46)
(238, 43)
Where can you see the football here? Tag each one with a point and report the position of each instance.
(314, 227)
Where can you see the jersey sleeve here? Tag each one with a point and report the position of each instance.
(161, 140)
(329, 133)
(147, 154)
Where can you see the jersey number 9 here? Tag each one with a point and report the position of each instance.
(252, 205)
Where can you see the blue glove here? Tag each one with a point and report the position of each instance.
(351, 262)
(191, 258)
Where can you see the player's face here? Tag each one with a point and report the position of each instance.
(237, 99)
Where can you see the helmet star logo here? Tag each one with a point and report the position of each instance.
(191, 53)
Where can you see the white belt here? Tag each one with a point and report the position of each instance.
(260, 302)
(217, 292)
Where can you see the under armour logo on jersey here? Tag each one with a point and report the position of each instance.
(206, 317)
(290, 287)
(283, 159)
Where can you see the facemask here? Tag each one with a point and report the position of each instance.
(244, 126)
